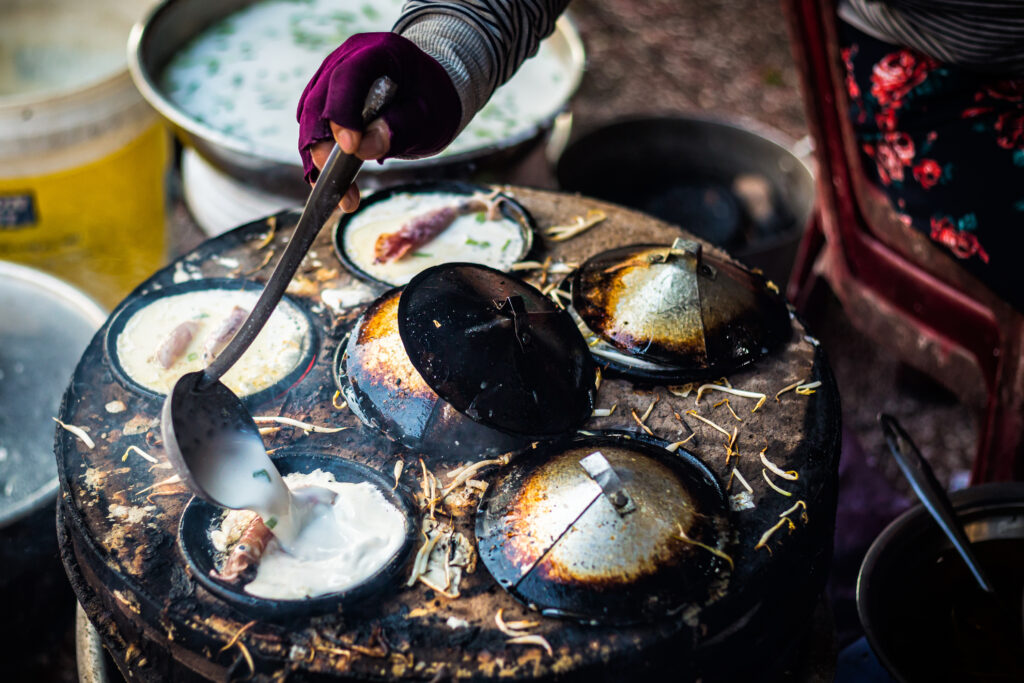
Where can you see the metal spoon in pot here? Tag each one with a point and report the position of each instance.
(986, 620)
(931, 494)
(988, 614)
(209, 435)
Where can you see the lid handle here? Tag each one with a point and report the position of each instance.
(600, 470)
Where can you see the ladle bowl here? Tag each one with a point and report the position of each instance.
(209, 435)
(214, 444)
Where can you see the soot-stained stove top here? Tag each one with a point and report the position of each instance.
(120, 512)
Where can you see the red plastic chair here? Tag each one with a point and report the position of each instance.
(893, 283)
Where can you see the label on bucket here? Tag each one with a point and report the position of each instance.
(17, 210)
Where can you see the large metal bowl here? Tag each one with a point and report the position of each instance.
(173, 23)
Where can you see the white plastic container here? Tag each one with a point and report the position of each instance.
(82, 156)
(219, 202)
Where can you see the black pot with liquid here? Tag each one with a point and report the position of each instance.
(923, 614)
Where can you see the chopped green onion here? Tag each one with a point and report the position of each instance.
(261, 474)
(481, 217)
(473, 243)
(421, 254)
(192, 356)
(271, 523)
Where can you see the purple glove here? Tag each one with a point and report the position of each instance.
(423, 118)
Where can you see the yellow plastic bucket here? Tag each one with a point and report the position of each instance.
(82, 156)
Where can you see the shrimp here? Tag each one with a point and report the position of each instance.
(220, 337)
(247, 553)
(394, 246)
(176, 342)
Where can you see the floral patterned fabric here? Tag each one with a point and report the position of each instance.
(947, 147)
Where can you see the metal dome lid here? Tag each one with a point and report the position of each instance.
(497, 350)
(609, 528)
(387, 393)
(382, 385)
(679, 307)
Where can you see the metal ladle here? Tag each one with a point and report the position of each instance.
(931, 494)
(208, 433)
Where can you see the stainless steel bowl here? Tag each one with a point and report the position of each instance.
(173, 23)
(46, 326)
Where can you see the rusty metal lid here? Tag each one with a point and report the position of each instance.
(607, 528)
(497, 349)
(386, 392)
(382, 388)
(680, 307)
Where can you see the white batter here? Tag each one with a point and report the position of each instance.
(274, 353)
(470, 238)
(339, 546)
(243, 76)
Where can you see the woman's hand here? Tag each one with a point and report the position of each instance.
(373, 145)
(420, 121)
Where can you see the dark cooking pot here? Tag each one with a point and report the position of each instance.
(723, 182)
(922, 614)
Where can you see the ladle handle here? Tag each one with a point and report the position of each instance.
(931, 494)
(335, 178)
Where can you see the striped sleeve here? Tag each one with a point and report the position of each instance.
(480, 43)
(986, 35)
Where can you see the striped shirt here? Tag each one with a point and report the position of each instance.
(480, 43)
(984, 35)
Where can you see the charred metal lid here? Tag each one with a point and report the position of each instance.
(387, 393)
(497, 349)
(679, 307)
(608, 528)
